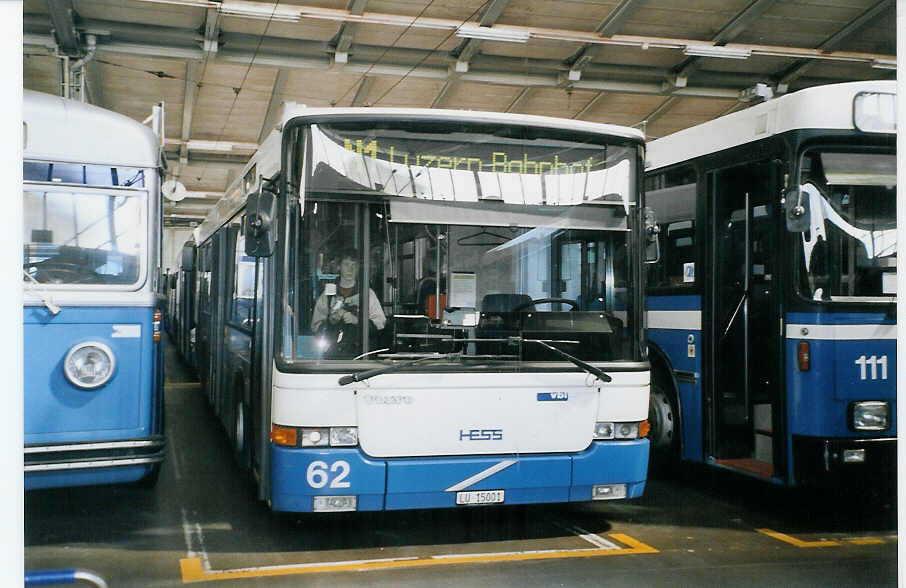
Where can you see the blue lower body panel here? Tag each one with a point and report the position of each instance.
(298, 475)
(86, 477)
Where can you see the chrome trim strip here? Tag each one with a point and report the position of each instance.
(481, 475)
(841, 332)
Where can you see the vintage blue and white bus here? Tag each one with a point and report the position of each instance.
(772, 308)
(93, 375)
(502, 360)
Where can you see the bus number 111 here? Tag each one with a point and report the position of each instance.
(874, 361)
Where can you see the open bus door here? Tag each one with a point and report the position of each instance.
(746, 372)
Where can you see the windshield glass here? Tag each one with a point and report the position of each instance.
(83, 235)
(452, 265)
(849, 252)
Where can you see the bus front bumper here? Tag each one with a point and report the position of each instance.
(300, 476)
(91, 462)
(844, 461)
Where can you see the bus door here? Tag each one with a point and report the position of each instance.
(745, 331)
(221, 294)
(203, 329)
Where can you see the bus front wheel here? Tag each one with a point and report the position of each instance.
(664, 434)
(242, 444)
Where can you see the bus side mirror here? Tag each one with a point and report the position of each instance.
(796, 211)
(652, 237)
(260, 211)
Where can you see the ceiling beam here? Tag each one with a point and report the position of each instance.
(190, 95)
(273, 105)
(467, 50)
(162, 39)
(441, 97)
(608, 27)
(658, 112)
(211, 33)
(361, 93)
(730, 31)
(591, 104)
(469, 47)
(520, 100)
(62, 18)
(800, 67)
(311, 55)
(343, 38)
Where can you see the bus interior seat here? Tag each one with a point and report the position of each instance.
(506, 302)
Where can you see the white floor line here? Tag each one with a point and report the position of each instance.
(192, 533)
(174, 459)
(592, 538)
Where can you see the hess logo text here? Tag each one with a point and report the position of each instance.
(481, 434)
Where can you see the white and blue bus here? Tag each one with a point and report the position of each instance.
(93, 366)
(503, 358)
(772, 308)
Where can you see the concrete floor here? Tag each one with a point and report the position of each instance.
(697, 528)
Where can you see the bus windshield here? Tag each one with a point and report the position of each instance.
(81, 235)
(472, 242)
(849, 252)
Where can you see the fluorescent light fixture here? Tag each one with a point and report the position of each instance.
(197, 145)
(510, 35)
(260, 10)
(884, 63)
(717, 51)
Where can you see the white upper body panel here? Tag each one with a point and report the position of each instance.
(822, 107)
(57, 129)
(432, 414)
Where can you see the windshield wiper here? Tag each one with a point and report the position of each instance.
(364, 375)
(45, 296)
(575, 360)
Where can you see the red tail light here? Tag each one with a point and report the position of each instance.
(804, 356)
(155, 326)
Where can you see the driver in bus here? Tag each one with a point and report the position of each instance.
(336, 311)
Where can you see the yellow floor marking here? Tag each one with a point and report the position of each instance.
(797, 542)
(866, 541)
(192, 570)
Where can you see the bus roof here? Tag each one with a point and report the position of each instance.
(59, 129)
(820, 107)
(293, 111)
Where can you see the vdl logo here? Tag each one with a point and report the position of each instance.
(481, 435)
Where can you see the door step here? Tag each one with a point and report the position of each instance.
(753, 466)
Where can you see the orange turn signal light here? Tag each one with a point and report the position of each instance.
(285, 436)
(644, 429)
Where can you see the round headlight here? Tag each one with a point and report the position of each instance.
(89, 365)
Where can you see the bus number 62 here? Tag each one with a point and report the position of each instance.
(318, 474)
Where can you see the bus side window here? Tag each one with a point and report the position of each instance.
(672, 196)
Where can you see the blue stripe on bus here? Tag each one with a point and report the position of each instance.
(685, 302)
(423, 482)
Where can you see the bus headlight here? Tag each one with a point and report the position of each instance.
(633, 430)
(870, 415)
(89, 365)
(319, 437)
(603, 430)
(344, 436)
(329, 436)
